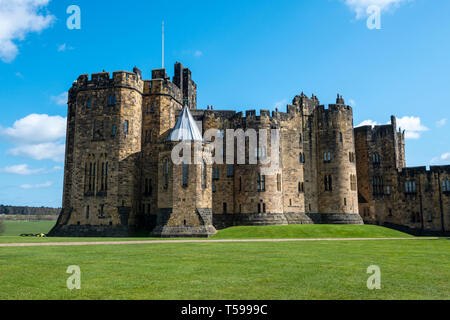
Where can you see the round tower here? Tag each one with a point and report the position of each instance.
(337, 187)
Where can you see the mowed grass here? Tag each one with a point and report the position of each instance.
(410, 269)
(309, 232)
(13, 229)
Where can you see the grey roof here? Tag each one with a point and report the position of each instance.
(185, 129)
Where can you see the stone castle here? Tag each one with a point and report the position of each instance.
(119, 178)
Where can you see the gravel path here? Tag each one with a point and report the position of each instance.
(58, 244)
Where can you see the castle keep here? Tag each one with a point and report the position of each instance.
(119, 177)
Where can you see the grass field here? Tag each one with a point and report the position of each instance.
(410, 269)
(15, 228)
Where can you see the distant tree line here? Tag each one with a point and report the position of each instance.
(29, 211)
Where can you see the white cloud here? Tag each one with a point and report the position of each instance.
(64, 47)
(198, 53)
(352, 102)
(35, 128)
(443, 159)
(24, 170)
(280, 104)
(21, 169)
(17, 19)
(60, 100)
(37, 136)
(360, 6)
(51, 150)
(37, 186)
(441, 123)
(367, 123)
(412, 126)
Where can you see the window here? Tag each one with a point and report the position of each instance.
(89, 103)
(410, 187)
(230, 171)
(328, 183)
(87, 212)
(114, 129)
(341, 139)
(351, 157)
(301, 157)
(185, 174)
(264, 208)
(102, 209)
(376, 158)
(260, 153)
(125, 127)
(213, 187)
(259, 207)
(377, 186)
(300, 139)
(204, 175)
(166, 173)
(112, 100)
(261, 183)
(240, 184)
(148, 187)
(345, 202)
(301, 187)
(278, 182)
(224, 208)
(152, 108)
(215, 173)
(327, 157)
(445, 185)
(388, 190)
(353, 183)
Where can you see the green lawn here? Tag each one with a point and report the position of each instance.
(309, 231)
(410, 269)
(13, 229)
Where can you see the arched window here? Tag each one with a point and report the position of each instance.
(300, 139)
(341, 139)
(301, 157)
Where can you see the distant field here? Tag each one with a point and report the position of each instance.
(16, 228)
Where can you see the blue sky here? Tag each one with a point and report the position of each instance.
(243, 55)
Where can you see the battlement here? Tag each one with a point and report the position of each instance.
(412, 171)
(102, 80)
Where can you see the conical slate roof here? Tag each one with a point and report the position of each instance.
(185, 129)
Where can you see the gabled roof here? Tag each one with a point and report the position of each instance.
(185, 129)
